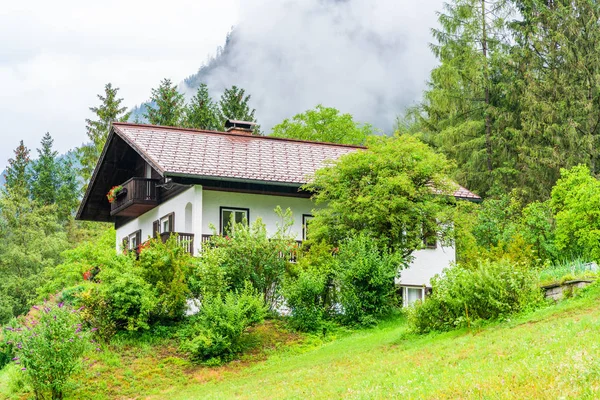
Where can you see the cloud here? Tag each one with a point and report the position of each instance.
(55, 57)
(369, 58)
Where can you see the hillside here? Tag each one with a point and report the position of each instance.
(553, 352)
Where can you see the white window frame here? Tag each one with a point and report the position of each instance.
(224, 223)
(164, 220)
(405, 289)
(306, 218)
(132, 239)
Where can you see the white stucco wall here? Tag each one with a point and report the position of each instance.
(177, 205)
(426, 264)
(260, 206)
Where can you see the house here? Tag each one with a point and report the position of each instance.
(176, 180)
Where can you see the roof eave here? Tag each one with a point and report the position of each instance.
(230, 179)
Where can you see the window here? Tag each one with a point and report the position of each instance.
(235, 215)
(412, 294)
(132, 241)
(164, 225)
(306, 218)
(429, 236)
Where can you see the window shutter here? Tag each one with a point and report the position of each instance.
(138, 237)
(155, 228)
(172, 222)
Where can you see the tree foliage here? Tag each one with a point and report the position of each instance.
(386, 191)
(323, 124)
(515, 97)
(109, 111)
(166, 105)
(201, 112)
(235, 104)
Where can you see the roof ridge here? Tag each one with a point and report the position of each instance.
(193, 130)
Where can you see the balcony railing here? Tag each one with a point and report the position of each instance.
(186, 240)
(138, 196)
(291, 256)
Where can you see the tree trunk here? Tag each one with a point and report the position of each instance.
(488, 122)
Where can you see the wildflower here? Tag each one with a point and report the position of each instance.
(23, 369)
(15, 359)
(36, 308)
(94, 329)
(61, 304)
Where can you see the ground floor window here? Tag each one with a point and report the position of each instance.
(412, 294)
(232, 215)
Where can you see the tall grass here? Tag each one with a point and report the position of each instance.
(569, 270)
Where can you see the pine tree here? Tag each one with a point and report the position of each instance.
(464, 105)
(54, 181)
(201, 112)
(17, 173)
(167, 106)
(107, 112)
(234, 105)
(44, 182)
(558, 44)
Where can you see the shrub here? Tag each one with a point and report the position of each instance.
(251, 255)
(49, 347)
(309, 288)
(304, 298)
(461, 296)
(215, 335)
(7, 349)
(165, 267)
(87, 256)
(366, 272)
(123, 301)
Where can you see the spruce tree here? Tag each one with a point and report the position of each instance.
(167, 105)
(45, 172)
(107, 112)
(201, 112)
(234, 104)
(464, 105)
(17, 173)
(558, 44)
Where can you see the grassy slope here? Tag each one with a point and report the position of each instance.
(552, 353)
(549, 354)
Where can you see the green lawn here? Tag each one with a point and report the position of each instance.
(552, 353)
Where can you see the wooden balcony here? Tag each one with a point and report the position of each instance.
(186, 240)
(138, 196)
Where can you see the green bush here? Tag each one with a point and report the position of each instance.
(215, 334)
(365, 273)
(122, 301)
(309, 289)
(304, 298)
(250, 254)
(49, 348)
(7, 349)
(87, 256)
(462, 296)
(165, 267)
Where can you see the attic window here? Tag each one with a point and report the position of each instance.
(429, 237)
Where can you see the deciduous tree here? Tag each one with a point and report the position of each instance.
(323, 124)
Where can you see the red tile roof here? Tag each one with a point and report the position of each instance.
(209, 154)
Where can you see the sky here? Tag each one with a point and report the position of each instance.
(56, 56)
(366, 57)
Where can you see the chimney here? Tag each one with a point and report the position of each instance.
(240, 127)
